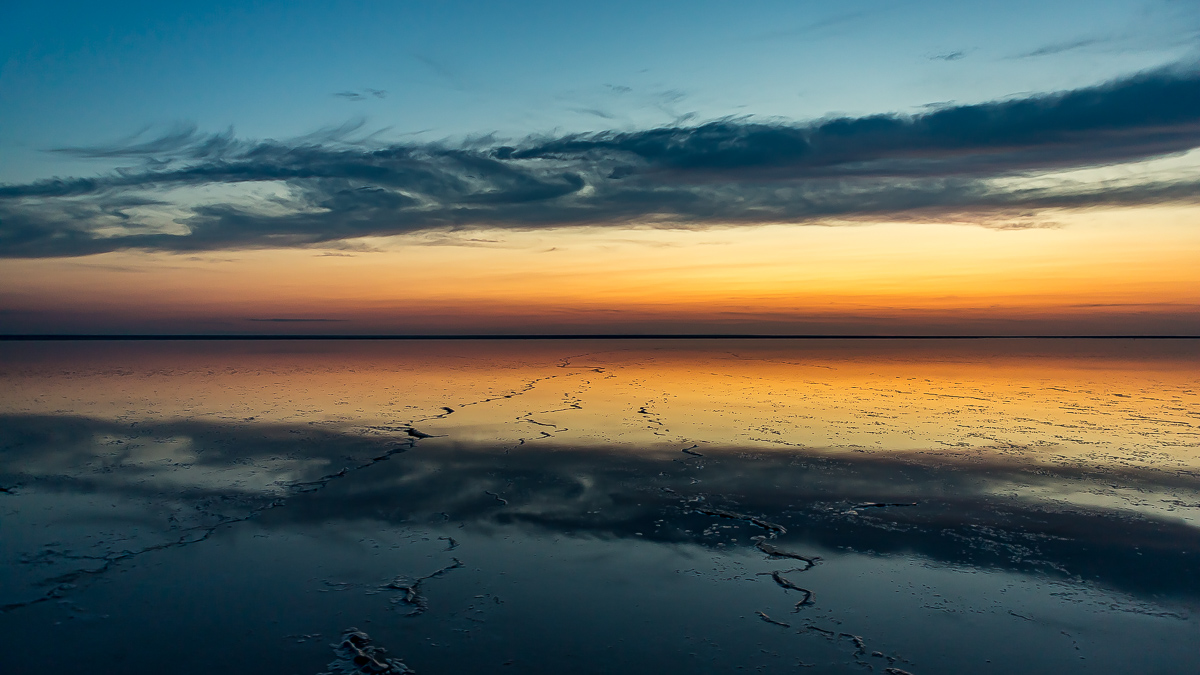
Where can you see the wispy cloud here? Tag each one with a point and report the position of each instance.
(595, 112)
(442, 70)
(361, 95)
(821, 25)
(1060, 47)
(949, 56)
(345, 185)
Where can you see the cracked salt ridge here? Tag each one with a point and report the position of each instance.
(773, 528)
(775, 552)
(65, 583)
(412, 589)
(528, 387)
(787, 584)
(764, 617)
(314, 485)
(860, 648)
(355, 654)
(411, 431)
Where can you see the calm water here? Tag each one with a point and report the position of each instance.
(597, 507)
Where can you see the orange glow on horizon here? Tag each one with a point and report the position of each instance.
(1136, 262)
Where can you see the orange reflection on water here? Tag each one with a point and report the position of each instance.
(1089, 403)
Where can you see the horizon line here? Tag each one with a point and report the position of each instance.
(90, 337)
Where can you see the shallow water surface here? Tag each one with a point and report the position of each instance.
(601, 506)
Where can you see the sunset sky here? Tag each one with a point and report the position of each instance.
(448, 167)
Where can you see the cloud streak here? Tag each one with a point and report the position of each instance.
(936, 164)
(1060, 47)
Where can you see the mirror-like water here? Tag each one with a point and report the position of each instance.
(592, 507)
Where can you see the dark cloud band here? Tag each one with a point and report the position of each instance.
(724, 172)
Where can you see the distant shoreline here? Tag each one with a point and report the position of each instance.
(630, 336)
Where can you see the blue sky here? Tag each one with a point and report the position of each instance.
(79, 74)
(407, 166)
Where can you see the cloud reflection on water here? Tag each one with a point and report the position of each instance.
(983, 514)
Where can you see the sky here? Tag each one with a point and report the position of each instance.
(533, 167)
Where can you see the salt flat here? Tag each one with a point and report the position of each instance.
(983, 506)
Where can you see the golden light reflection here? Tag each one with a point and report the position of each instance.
(1118, 404)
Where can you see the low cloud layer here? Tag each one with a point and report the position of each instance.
(938, 164)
